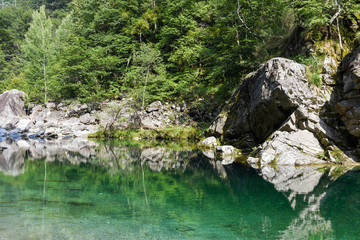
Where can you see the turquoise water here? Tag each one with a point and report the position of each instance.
(134, 192)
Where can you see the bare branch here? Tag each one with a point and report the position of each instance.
(337, 16)
(244, 23)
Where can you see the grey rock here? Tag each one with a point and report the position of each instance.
(155, 106)
(264, 101)
(12, 106)
(349, 95)
(227, 160)
(209, 154)
(329, 65)
(209, 142)
(12, 103)
(151, 123)
(25, 123)
(294, 148)
(87, 119)
(225, 150)
(253, 160)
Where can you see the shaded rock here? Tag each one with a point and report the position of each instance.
(349, 94)
(3, 132)
(76, 110)
(9, 127)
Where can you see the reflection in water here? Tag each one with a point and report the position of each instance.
(78, 189)
(73, 150)
(304, 187)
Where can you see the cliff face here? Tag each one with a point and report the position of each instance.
(275, 111)
(348, 105)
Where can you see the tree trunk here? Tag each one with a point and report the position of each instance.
(244, 23)
(337, 16)
(45, 78)
(146, 79)
(44, 59)
(339, 33)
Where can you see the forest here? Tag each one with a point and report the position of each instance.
(185, 50)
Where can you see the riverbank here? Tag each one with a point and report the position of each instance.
(108, 119)
(168, 133)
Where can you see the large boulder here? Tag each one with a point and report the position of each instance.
(263, 102)
(276, 115)
(12, 106)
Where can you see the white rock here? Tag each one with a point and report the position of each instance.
(209, 142)
(225, 150)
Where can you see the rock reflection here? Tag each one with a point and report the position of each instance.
(305, 188)
(158, 158)
(113, 157)
(12, 158)
(296, 193)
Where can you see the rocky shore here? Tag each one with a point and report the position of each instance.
(76, 120)
(275, 117)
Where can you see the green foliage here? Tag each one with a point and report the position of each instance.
(38, 55)
(313, 68)
(155, 50)
(147, 76)
(170, 133)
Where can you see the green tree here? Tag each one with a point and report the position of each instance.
(39, 53)
(147, 71)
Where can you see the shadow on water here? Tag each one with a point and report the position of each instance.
(86, 190)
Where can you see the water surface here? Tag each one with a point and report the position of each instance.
(83, 190)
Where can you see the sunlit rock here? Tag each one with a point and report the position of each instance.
(209, 142)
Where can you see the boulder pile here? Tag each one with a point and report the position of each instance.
(278, 117)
